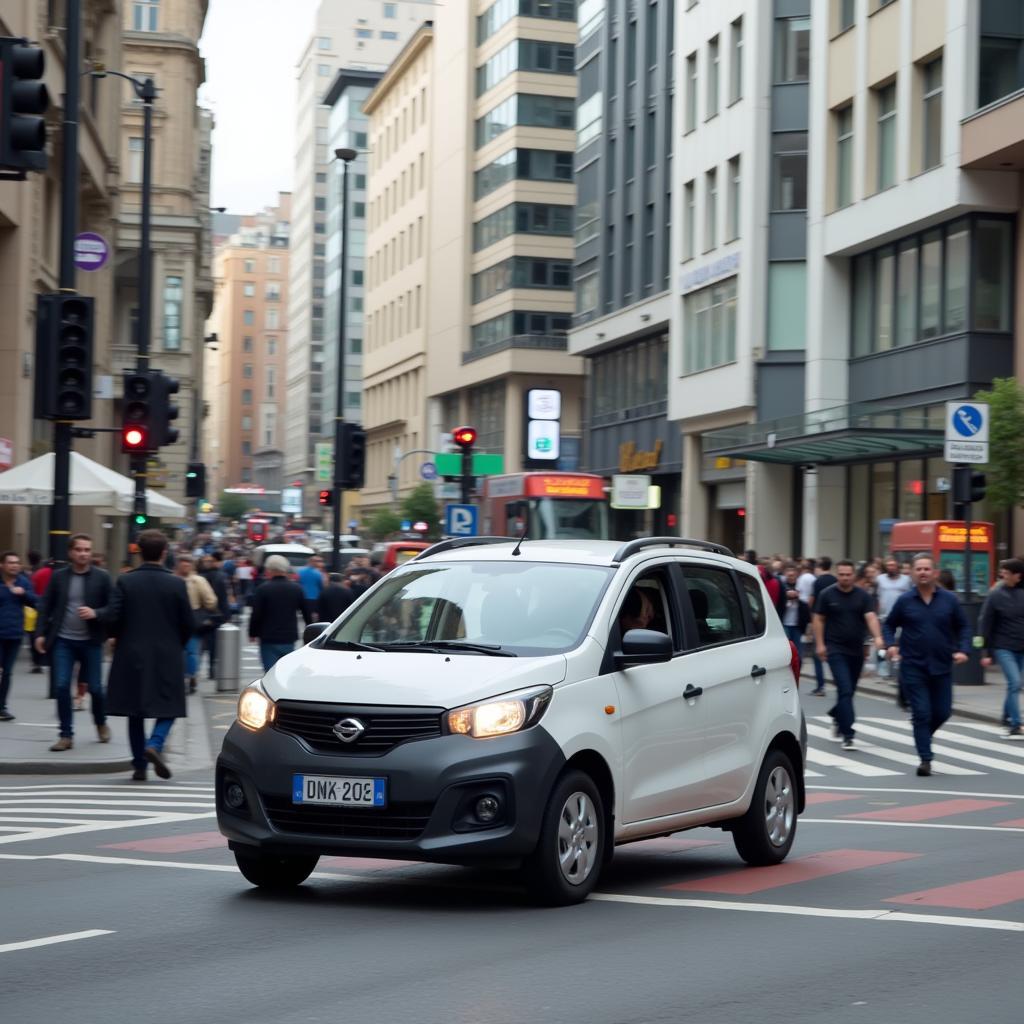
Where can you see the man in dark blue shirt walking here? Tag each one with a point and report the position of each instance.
(935, 635)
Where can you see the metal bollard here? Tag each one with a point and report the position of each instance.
(229, 658)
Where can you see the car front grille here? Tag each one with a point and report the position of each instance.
(398, 821)
(386, 728)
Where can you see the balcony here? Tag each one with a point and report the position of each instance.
(992, 139)
(543, 342)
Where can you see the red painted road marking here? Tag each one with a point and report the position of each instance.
(1016, 823)
(805, 869)
(929, 811)
(173, 844)
(668, 844)
(826, 798)
(980, 894)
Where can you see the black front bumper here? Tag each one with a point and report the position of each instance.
(431, 786)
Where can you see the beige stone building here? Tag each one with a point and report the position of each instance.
(244, 380)
(161, 40)
(30, 250)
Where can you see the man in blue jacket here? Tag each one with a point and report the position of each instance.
(15, 593)
(935, 636)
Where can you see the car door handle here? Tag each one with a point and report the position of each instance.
(757, 671)
(692, 691)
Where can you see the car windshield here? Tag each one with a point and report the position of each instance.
(532, 608)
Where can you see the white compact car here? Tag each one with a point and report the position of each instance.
(529, 705)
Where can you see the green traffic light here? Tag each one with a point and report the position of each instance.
(140, 520)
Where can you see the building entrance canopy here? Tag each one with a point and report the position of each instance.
(864, 432)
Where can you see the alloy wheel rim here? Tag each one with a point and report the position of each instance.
(578, 833)
(779, 806)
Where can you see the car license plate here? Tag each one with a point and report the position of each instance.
(342, 792)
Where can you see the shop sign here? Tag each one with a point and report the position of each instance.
(630, 491)
(632, 460)
(703, 275)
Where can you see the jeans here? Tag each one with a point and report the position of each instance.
(8, 656)
(1012, 664)
(793, 633)
(273, 653)
(845, 673)
(89, 656)
(819, 671)
(192, 656)
(137, 737)
(210, 646)
(931, 703)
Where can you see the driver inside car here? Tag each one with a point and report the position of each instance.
(636, 612)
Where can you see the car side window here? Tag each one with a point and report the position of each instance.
(715, 603)
(752, 590)
(646, 605)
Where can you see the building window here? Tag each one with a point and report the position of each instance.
(247, 343)
(691, 92)
(589, 116)
(789, 171)
(792, 49)
(521, 324)
(174, 298)
(527, 109)
(736, 61)
(521, 272)
(249, 266)
(710, 210)
(323, 42)
(523, 165)
(145, 14)
(247, 423)
(390, 36)
(530, 219)
(993, 246)
(1001, 52)
(273, 291)
(885, 103)
(270, 382)
(274, 265)
(710, 327)
(246, 396)
(323, 70)
(248, 318)
(844, 156)
(713, 62)
(787, 305)
(247, 371)
(135, 150)
(733, 227)
(906, 292)
(932, 122)
(248, 289)
(503, 11)
(526, 55)
(845, 13)
(590, 17)
(689, 220)
(271, 346)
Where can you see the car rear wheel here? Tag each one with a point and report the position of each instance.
(271, 872)
(566, 864)
(765, 834)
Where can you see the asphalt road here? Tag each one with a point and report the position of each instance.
(902, 901)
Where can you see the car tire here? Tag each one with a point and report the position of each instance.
(765, 834)
(271, 872)
(565, 865)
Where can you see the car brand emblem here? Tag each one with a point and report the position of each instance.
(348, 730)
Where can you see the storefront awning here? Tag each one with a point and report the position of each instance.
(843, 434)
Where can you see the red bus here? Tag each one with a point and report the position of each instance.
(945, 540)
(556, 506)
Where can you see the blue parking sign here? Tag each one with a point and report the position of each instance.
(461, 520)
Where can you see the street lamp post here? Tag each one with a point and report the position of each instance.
(346, 156)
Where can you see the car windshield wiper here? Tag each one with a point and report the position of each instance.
(352, 645)
(437, 646)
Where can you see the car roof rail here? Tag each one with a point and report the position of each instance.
(452, 543)
(633, 546)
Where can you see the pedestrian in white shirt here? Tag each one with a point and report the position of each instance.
(888, 589)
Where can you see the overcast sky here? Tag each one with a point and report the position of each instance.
(251, 49)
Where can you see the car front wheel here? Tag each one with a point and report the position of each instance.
(271, 872)
(765, 834)
(566, 864)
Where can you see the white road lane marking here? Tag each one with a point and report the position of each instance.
(1006, 748)
(821, 732)
(52, 833)
(911, 824)
(810, 773)
(830, 760)
(924, 790)
(52, 940)
(989, 924)
(99, 802)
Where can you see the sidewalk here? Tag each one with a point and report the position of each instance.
(981, 703)
(25, 742)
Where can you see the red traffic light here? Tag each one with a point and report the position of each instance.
(464, 437)
(133, 439)
(325, 497)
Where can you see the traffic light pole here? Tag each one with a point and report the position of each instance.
(968, 506)
(60, 511)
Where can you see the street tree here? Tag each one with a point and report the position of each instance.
(1005, 469)
(420, 504)
(232, 506)
(383, 523)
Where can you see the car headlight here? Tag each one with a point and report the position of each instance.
(500, 716)
(255, 708)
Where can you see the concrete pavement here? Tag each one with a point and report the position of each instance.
(25, 742)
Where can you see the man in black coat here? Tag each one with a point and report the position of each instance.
(72, 637)
(210, 570)
(334, 598)
(150, 615)
(276, 605)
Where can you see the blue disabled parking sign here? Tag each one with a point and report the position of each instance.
(461, 520)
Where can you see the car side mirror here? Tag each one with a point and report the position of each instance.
(313, 630)
(644, 647)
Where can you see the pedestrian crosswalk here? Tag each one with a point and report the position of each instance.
(61, 809)
(885, 747)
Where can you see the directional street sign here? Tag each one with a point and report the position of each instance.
(967, 432)
(461, 520)
(484, 464)
(428, 471)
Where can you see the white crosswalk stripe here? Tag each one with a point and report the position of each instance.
(60, 809)
(957, 748)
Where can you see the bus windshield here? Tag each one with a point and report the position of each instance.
(568, 519)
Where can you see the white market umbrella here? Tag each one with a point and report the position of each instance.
(91, 484)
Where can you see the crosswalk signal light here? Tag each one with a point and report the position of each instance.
(137, 413)
(326, 498)
(195, 480)
(23, 105)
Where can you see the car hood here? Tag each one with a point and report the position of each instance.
(409, 679)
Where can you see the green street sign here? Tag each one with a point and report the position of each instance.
(450, 464)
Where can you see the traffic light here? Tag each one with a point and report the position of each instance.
(23, 104)
(353, 456)
(64, 336)
(164, 411)
(326, 497)
(137, 413)
(195, 480)
(465, 438)
(140, 519)
(968, 485)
